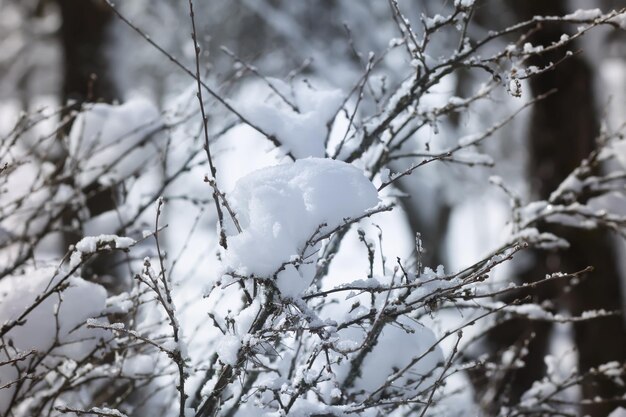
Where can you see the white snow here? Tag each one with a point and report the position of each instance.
(92, 244)
(435, 20)
(304, 133)
(618, 412)
(228, 349)
(139, 365)
(111, 142)
(529, 48)
(463, 3)
(79, 301)
(119, 304)
(539, 389)
(24, 191)
(280, 208)
(107, 411)
(543, 240)
(581, 14)
(291, 282)
(620, 20)
(394, 351)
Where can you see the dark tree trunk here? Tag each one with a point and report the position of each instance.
(87, 75)
(88, 78)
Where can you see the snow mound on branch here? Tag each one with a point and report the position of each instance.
(71, 306)
(92, 244)
(108, 143)
(280, 208)
(581, 14)
(302, 133)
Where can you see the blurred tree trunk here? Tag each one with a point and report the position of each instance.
(87, 74)
(87, 77)
(562, 132)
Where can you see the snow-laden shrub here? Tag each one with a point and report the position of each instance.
(278, 275)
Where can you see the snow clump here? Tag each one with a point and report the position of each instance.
(281, 208)
(92, 244)
(303, 132)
